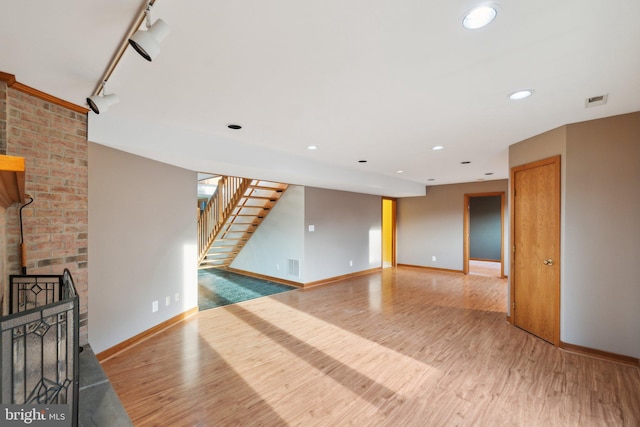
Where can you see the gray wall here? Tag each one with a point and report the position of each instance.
(601, 287)
(600, 230)
(347, 228)
(279, 238)
(432, 225)
(142, 244)
(485, 228)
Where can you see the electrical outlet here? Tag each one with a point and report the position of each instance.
(154, 306)
(350, 263)
(177, 297)
(433, 258)
(278, 267)
(167, 300)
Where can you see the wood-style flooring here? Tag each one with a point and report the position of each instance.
(484, 268)
(404, 347)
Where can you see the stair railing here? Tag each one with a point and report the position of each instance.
(229, 191)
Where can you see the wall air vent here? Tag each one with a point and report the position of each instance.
(294, 267)
(594, 101)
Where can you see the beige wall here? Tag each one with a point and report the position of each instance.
(600, 230)
(142, 222)
(348, 227)
(601, 287)
(279, 238)
(432, 225)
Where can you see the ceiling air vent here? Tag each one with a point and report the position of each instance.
(594, 101)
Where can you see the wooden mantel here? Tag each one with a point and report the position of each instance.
(11, 180)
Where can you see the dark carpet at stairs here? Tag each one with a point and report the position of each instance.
(220, 287)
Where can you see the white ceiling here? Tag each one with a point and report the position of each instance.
(363, 80)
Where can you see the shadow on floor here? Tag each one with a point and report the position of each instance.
(217, 288)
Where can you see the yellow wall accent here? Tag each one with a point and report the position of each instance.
(387, 233)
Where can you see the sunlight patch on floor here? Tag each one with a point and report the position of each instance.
(347, 368)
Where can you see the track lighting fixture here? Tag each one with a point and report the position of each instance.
(101, 103)
(147, 43)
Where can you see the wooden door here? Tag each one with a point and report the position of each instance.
(535, 286)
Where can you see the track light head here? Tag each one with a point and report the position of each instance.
(101, 103)
(147, 43)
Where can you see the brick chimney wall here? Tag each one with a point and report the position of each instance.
(3, 118)
(53, 141)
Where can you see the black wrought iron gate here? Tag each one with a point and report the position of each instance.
(39, 342)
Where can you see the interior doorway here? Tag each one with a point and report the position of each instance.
(483, 245)
(388, 232)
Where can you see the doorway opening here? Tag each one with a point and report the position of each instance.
(484, 234)
(388, 232)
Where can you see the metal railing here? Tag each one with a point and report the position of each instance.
(39, 342)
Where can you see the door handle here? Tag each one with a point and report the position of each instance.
(548, 261)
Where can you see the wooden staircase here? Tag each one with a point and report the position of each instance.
(232, 215)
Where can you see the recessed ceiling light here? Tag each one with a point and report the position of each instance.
(235, 127)
(520, 94)
(437, 147)
(399, 171)
(465, 162)
(362, 161)
(312, 147)
(479, 17)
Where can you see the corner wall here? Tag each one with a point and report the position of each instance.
(347, 228)
(600, 231)
(601, 287)
(433, 225)
(279, 238)
(142, 221)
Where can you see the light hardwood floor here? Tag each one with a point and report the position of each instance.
(404, 347)
(484, 268)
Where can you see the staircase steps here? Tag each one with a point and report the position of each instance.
(237, 220)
